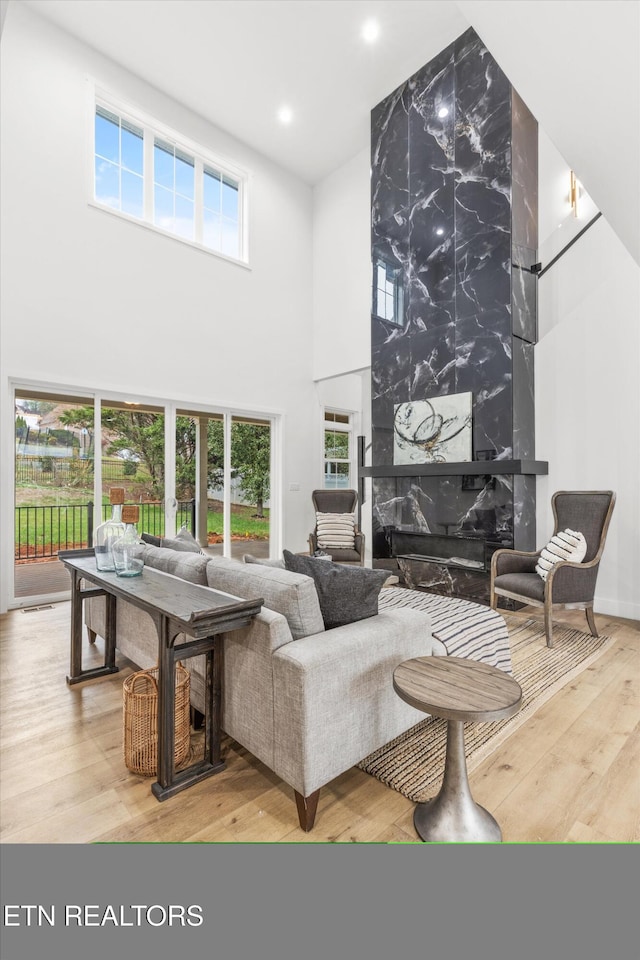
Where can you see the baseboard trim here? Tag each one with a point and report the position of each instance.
(617, 608)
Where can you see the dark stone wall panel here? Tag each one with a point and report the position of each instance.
(454, 181)
(524, 294)
(390, 163)
(433, 362)
(523, 400)
(524, 164)
(431, 192)
(483, 118)
(524, 512)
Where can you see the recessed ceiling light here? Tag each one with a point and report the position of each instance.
(443, 112)
(439, 231)
(371, 31)
(285, 115)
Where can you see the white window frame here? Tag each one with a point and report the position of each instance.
(153, 128)
(100, 397)
(337, 427)
(398, 293)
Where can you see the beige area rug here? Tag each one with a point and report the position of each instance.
(413, 763)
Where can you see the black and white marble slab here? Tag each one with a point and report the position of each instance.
(453, 205)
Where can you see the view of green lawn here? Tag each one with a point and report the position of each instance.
(49, 520)
(54, 488)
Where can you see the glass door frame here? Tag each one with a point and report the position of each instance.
(100, 398)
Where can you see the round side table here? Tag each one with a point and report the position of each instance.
(457, 690)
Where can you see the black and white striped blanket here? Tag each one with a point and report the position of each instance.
(467, 629)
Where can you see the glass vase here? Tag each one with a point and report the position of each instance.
(109, 531)
(127, 549)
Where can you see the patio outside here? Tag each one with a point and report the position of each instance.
(54, 483)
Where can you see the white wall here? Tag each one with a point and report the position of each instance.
(342, 269)
(557, 55)
(587, 365)
(92, 300)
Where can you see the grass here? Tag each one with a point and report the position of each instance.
(41, 528)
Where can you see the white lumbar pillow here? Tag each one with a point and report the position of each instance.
(565, 545)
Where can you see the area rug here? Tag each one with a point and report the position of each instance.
(413, 763)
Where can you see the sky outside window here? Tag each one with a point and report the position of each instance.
(118, 163)
(124, 149)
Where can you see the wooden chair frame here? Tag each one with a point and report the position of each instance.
(547, 603)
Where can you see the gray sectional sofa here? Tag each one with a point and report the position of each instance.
(309, 703)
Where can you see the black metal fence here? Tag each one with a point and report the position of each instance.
(41, 532)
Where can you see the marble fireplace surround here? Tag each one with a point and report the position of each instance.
(428, 540)
(454, 234)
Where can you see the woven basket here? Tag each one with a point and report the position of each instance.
(140, 715)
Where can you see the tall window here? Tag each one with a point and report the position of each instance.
(337, 450)
(387, 291)
(163, 181)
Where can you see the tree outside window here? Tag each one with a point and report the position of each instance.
(337, 451)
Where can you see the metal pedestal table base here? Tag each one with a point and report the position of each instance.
(453, 815)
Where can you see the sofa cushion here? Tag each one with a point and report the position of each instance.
(346, 594)
(187, 566)
(291, 594)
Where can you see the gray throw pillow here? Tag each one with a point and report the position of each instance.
(264, 561)
(187, 566)
(346, 594)
(184, 541)
(150, 539)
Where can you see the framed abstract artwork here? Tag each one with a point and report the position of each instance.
(434, 430)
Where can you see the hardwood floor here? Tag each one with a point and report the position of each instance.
(571, 773)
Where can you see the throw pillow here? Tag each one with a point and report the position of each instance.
(183, 540)
(346, 594)
(292, 595)
(565, 545)
(149, 538)
(187, 566)
(335, 530)
(264, 561)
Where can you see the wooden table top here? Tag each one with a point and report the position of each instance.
(457, 689)
(199, 610)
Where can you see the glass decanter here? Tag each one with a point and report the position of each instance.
(127, 549)
(109, 531)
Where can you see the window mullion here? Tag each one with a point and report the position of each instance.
(180, 212)
(198, 201)
(148, 173)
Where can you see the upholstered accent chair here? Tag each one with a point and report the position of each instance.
(514, 575)
(344, 502)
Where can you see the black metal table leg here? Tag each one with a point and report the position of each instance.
(76, 673)
(166, 706)
(169, 782)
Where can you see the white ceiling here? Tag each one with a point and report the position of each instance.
(236, 62)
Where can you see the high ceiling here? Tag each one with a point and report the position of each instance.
(236, 62)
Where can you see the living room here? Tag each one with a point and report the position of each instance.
(95, 305)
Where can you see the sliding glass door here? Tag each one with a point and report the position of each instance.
(208, 471)
(53, 487)
(133, 457)
(250, 486)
